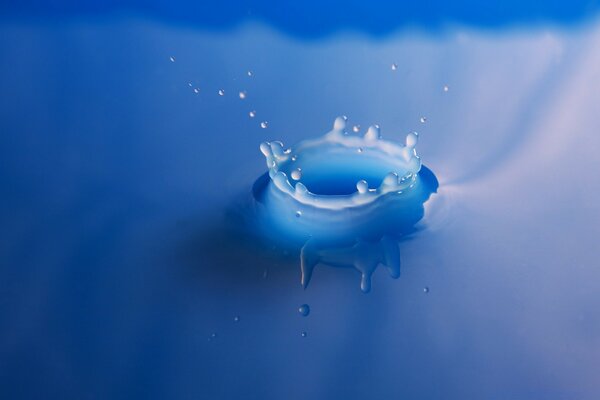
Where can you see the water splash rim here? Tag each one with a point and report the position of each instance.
(401, 158)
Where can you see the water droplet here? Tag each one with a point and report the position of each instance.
(221, 92)
(252, 114)
(294, 158)
(446, 88)
(242, 95)
(426, 289)
(356, 128)
(304, 310)
(360, 150)
(264, 124)
(250, 73)
(303, 334)
(298, 214)
(236, 319)
(172, 59)
(212, 336)
(196, 90)
(190, 84)
(362, 186)
(296, 174)
(394, 66)
(423, 120)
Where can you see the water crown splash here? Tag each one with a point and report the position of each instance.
(343, 199)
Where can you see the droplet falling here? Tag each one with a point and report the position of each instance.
(303, 334)
(426, 289)
(236, 319)
(252, 114)
(360, 150)
(356, 128)
(221, 92)
(242, 95)
(304, 310)
(264, 124)
(196, 90)
(298, 214)
(394, 66)
(446, 88)
(172, 59)
(250, 73)
(423, 120)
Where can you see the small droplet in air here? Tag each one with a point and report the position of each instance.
(249, 73)
(236, 319)
(298, 214)
(242, 95)
(426, 289)
(304, 310)
(264, 124)
(356, 128)
(296, 174)
(294, 158)
(446, 88)
(190, 84)
(423, 120)
(360, 150)
(394, 66)
(172, 59)
(196, 90)
(212, 336)
(221, 92)
(252, 114)
(303, 334)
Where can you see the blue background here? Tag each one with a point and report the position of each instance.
(119, 188)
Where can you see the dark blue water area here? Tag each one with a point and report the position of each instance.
(128, 270)
(313, 19)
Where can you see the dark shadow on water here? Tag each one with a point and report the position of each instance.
(313, 19)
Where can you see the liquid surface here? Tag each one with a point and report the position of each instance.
(118, 182)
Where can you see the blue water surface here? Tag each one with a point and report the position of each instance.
(122, 274)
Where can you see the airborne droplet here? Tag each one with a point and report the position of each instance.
(303, 334)
(252, 114)
(423, 120)
(304, 310)
(446, 88)
(264, 124)
(356, 128)
(221, 92)
(394, 66)
(298, 214)
(172, 59)
(242, 95)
